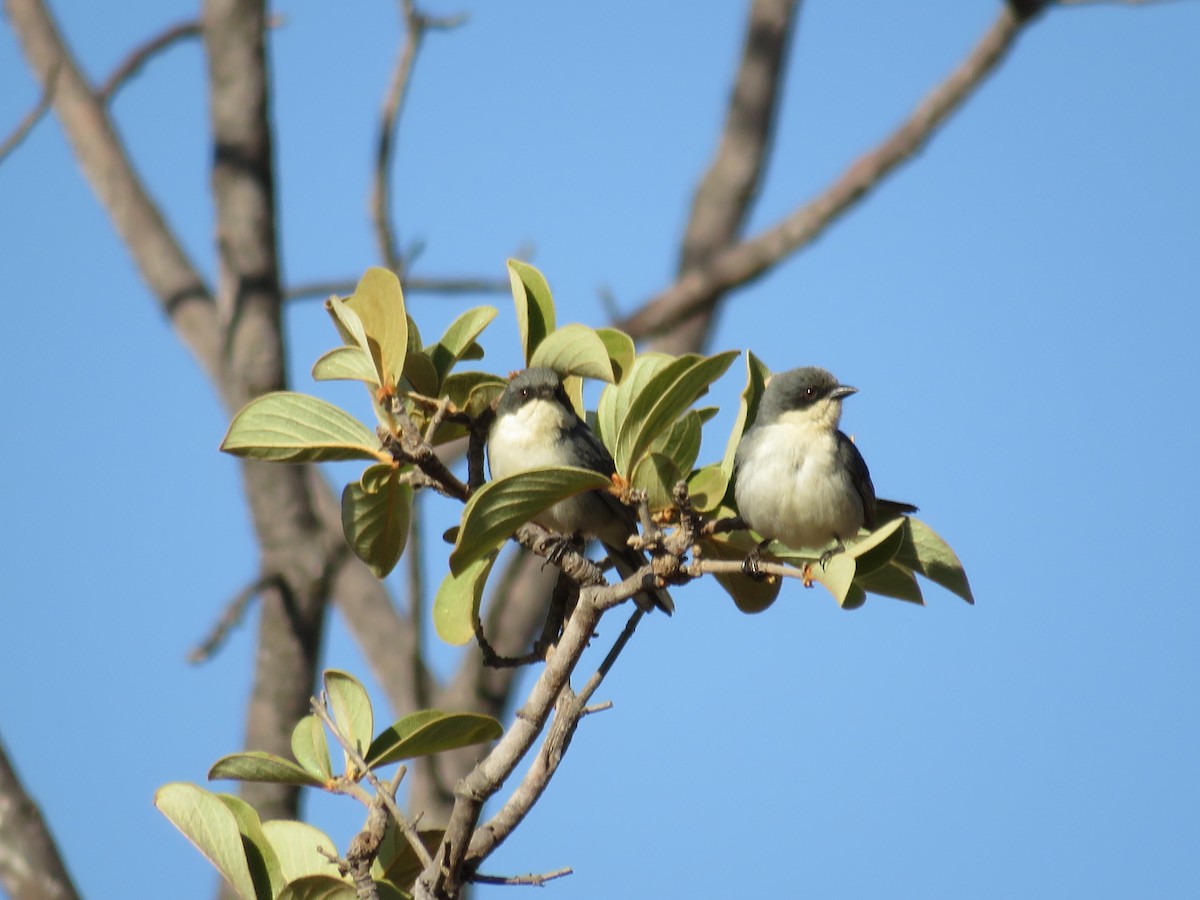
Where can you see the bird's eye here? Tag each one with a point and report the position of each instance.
(524, 392)
(810, 393)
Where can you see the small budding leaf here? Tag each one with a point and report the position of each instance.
(345, 364)
(288, 427)
(456, 605)
(534, 304)
(500, 507)
(430, 731)
(379, 303)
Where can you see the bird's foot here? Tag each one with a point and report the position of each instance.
(750, 565)
(832, 552)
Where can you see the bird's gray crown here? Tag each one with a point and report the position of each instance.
(532, 384)
(798, 389)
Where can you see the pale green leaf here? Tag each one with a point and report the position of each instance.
(350, 328)
(875, 550)
(837, 575)
(212, 828)
(288, 427)
(351, 708)
(456, 605)
(749, 595)
(707, 486)
(398, 862)
(497, 509)
(756, 379)
(421, 374)
(855, 597)
(376, 512)
(892, 580)
(657, 475)
(430, 731)
(318, 887)
(615, 400)
(258, 765)
(925, 552)
(295, 845)
(665, 397)
(265, 868)
(681, 442)
(574, 350)
(621, 350)
(459, 338)
(535, 305)
(311, 748)
(379, 302)
(345, 364)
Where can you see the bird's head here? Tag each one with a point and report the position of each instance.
(805, 396)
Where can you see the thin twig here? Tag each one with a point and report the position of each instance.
(535, 880)
(231, 617)
(416, 24)
(31, 118)
(319, 290)
(745, 261)
(143, 53)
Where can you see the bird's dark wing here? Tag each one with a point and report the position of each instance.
(860, 477)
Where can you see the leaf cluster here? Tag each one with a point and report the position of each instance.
(290, 860)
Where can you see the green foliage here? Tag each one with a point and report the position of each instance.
(535, 306)
(456, 606)
(428, 732)
(286, 427)
(376, 513)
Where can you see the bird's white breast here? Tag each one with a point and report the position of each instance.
(790, 485)
(527, 439)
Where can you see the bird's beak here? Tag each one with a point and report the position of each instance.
(842, 390)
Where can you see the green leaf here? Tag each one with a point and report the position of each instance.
(892, 581)
(421, 374)
(376, 511)
(265, 868)
(295, 845)
(287, 427)
(925, 552)
(500, 507)
(621, 350)
(837, 575)
(875, 550)
(350, 328)
(311, 748)
(681, 442)
(258, 765)
(574, 350)
(430, 731)
(351, 708)
(459, 387)
(855, 597)
(615, 400)
(398, 862)
(456, 605)
(345, 364)
(535, 305)
(379, 302)
(756, 380)
(459, 339)
(319, 887)
(707, 486)
(213, 828)
(657, 475)
(750, 596)
(664, 399)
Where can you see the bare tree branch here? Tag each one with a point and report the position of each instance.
(741, 263)
(30, 865)
(31, 118)
(412, 285)
(726, 192)
(159, 256)
(143, 53)
(415, 24)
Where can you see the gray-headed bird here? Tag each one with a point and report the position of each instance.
(536, 426)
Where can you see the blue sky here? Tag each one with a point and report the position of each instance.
(1017, 306)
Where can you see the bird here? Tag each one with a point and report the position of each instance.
(797, 478)
(536, 426)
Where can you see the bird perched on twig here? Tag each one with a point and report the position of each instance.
(536, 425)
(798, 479)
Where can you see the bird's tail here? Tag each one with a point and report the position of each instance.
(627, 561)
